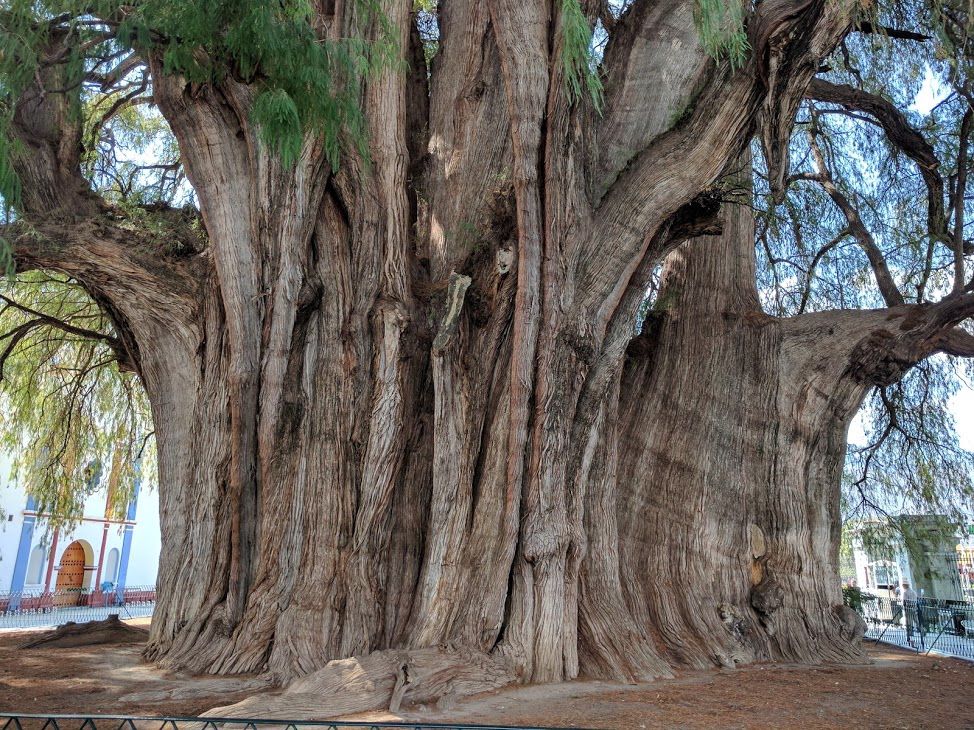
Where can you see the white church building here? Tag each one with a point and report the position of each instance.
(91, 561)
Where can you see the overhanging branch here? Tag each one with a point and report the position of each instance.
(40, 318)
(959, 343)
(877, 261)
(899, 33)
(901, 134)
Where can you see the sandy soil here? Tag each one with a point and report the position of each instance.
(104, 680)
(898, 690)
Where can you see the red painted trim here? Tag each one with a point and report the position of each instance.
(50, 561)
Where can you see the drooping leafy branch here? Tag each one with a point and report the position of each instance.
(304, 77)
(71, 417)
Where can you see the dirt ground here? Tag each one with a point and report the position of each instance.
(898, 690)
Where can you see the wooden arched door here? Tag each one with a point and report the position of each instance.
(70, 575)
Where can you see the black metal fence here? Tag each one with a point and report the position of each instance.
(123, 722)
(924, 625)
(37, 609)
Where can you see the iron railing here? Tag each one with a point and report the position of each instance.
(924, 625)
(12, 721)
(34, 609)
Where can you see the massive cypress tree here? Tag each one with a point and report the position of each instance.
(391, 352)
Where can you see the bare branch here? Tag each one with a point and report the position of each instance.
(908, 35)
(884, 279)
(901, 134)
(125, 100)
(810, 274)
(113, 342)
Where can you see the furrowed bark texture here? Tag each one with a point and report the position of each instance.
(732, 431)
(399, 409)
(731, 448)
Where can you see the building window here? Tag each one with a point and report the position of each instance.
(35, 566)
(111, 566)
(884, 576)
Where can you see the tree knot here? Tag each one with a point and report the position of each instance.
(581, 344)
(880, 359)
(767, 597)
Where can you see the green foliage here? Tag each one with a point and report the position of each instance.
(303, 84)
(578, 60)
(72, 421)
(856, 598)
(721, 27)
(306, 85)
(279, 123)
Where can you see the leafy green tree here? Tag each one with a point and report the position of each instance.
(73, 419)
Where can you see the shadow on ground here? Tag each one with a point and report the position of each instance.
(898, 689)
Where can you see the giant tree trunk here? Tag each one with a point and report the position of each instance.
(732, 432)
(732, 439)
(394, 404)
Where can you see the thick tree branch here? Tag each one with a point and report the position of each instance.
(958, 342)
(129, 270)
(884, 279)
(606, 15)
(789, 40)
(912, 333)
(653, 52)
(899, 131)
(786, 74)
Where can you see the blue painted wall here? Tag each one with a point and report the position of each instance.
(23, 554)
(123, 563)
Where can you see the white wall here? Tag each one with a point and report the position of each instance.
(143, 560)
(146, 539)
(12, 502)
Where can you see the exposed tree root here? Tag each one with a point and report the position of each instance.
(201, 688)
(107, 631)
(383, 679)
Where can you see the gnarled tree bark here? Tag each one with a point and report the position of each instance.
(398, 407)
